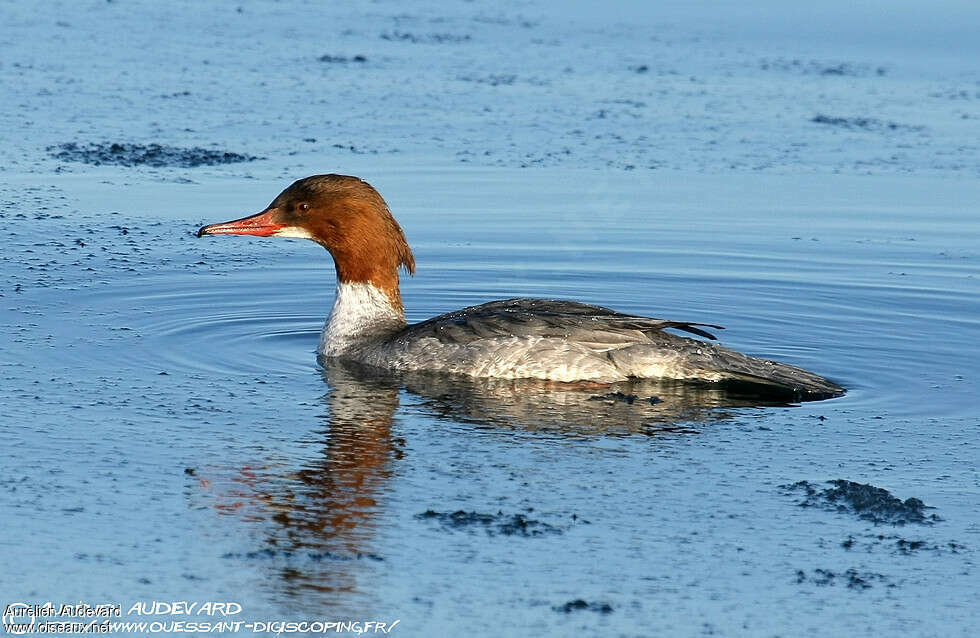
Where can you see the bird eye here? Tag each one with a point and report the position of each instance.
(304, 206)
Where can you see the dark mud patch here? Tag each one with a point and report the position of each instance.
(342, 59)
(494, 79)
(503, 21)
(956, 94)
(360, 150)
(581, 605)
(426, 38)
(629, 399)
(863, 123)
(316, 557)
(493, 524)
(899, 545)
(865, 501)
(817, 67)
(153, 155)
(851, 578)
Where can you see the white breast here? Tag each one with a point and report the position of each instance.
(360, 311)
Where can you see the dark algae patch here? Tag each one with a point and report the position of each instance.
(494, 79)
(581, 605)
(428, 38)
(342, 59)
(852, 578)
(154, 155)
(899, 545)
(911, 547)
(825, 68)
(866, 501)
(864, 123)
(499, 523)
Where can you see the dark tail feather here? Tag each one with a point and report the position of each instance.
(691, 359)
(691, 327)
(802, 384)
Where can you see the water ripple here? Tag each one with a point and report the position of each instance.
(217, 325)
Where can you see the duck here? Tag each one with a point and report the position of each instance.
(545, 339)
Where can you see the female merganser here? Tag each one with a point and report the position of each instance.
(512, 339)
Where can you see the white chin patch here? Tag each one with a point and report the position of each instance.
(293, 231)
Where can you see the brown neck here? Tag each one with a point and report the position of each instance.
(371, 247)
(384, 278)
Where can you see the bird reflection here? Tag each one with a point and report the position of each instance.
(641, 406)
(317, 518)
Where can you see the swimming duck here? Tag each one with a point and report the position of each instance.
(513, 338)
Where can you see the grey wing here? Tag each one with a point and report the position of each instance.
(571, 320)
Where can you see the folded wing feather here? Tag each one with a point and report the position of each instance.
(546, 318)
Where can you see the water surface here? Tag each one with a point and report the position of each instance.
(308, 488)
(806, 181)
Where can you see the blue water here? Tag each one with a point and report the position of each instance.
(169, 435)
